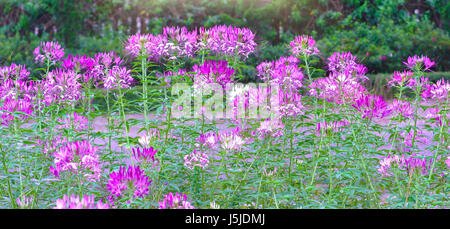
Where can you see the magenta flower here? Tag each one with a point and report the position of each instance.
(177, 42)
(196, 158)
(337, 88)
(78, 157)
(283, 72)
(146, 155)
(24, 201)
(74, 202)
(48, 51)
(448, 161)
(402, 108)
(209, 140)
(228, 40)
(108, 59)
(400, 79)
(118, 77)
(324, 127)
(141, 45)
(439, 91)
(271, 128)
(346, 63)
(422, 63)
(61, 87)
(177, 201)
(213, 72)
(303, 45)
(371, 106)
(290, 103)
(74, 121)
(12, 105)
(406, 140)
(131, 181)
(404, 164)
(14, 71)
(433, 113)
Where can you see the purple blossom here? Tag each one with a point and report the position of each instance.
(371, 106)
(11, 105)
(74, 202)
(146, 155)
(24, 201)
(271, 128)
(177, 201)
(324, 127)
(129, 181)
(141, 45)
(61, 87)
(283, 72)
(14, 71)
(346, 63)
(400, 79)
(177, 42)
(213, 72)
(196, 158)
(78, 157)
(118, 77)
(303, 45)
(228, 40)
(402, 108)
(406, 165)
(439, 91)
(48, 51)
(337, 88)
(422, 63)
(74, 121)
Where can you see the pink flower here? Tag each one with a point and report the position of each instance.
(61, 87)
(227, 40)
(213, 72)
(271, 128)
(24, 202)
(11, 105)
(78, 157)
(283, 72)
(404, 164)
(371, 106)
(118, 77)
(345, 63)
(423, 63)
(303, 45)
(48, 51)
(14, 71)
(74, 121)
(74, 202)
(177, 201)
(129, 181)
(146, 155)
(402, 108)
(400, 78)
(196, 158)
(438, 91)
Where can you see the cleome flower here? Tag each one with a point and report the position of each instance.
(129, 181)
(48, 51)
(177, 201)
(304, 45)
(74, 202)
(196, 158)
(423, 63)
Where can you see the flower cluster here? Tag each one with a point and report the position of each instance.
(146, 155)
(48, 52)
(74, 202)
(346, 63)
(371, 106)
(405, 164)
(227, 40)
(324, 127)
(24, 202)
(141, 45)
(212, 72)
(118, 77)
(337, 88)
(283, 72)
(401, 108)
(14, 71)
(147, 139)
(271, 128)
(177, 201)
(400, 79)
(196, 158)
(231, 141)
(78, 157)
(61, 87)
(177, 42)
(304, 46)
(74, 121)
(439, 91)
(131, 181)
(422, 63)
(11, 105)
